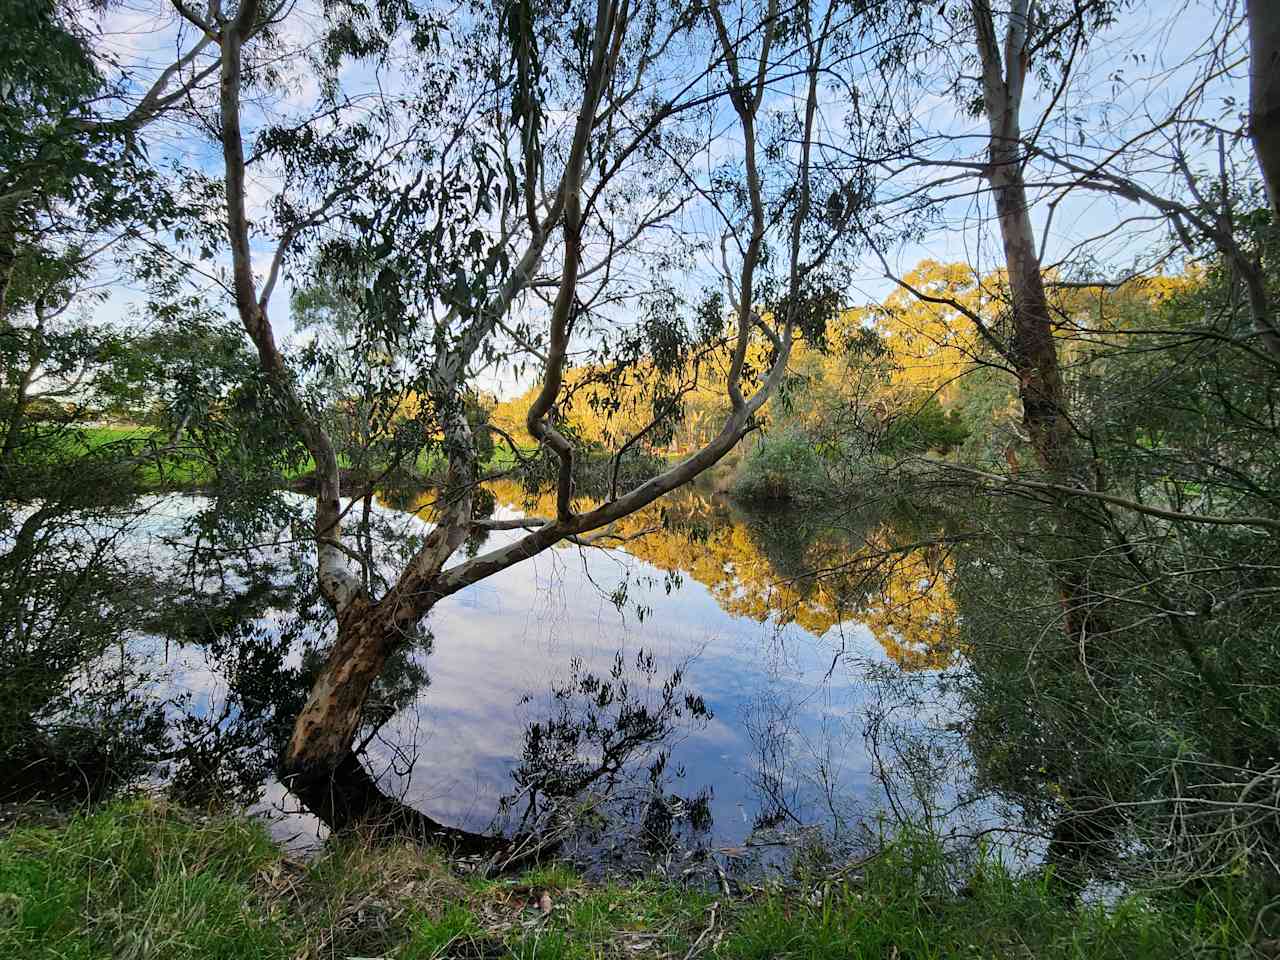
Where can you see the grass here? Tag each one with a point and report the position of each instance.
(141, 879)
(132, 882)
(173, 471)
(169, 471)
(431, 461)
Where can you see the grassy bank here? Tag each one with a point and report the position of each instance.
(143, 880)
(176, 470)
(168, 471)
(180, 470)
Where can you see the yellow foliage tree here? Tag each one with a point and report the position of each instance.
(932, 344)
(609, 406)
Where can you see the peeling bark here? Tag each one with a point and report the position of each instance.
(326, 726)
(318, 765)
(321, 770)
(337, 584)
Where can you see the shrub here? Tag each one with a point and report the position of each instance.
(921, 427)
(786, 466)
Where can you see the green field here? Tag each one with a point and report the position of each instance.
(176, 470)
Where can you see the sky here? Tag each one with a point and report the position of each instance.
(1130, 77)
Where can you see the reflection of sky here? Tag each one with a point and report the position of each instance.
(515, 633)
(788, 705)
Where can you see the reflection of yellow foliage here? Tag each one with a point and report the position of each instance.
(913, 614)
(904, 597)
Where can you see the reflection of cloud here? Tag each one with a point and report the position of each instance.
(763, 570)
(515, 634)
(288, 823)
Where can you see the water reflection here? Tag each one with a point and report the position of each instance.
(769, 620)
(785, 566)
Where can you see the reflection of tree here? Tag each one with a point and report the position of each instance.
(794, 569)
(769, 724)
(912, 613)
(605, 740)
(599, 740)
(226, 748)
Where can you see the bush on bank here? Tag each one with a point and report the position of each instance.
(784, 466)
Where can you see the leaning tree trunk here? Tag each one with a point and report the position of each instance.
(326, 728)
(319, 765)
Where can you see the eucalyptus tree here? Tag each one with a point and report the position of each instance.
(76, 186)
(1187, 167)
(1034, 58)
(72, 163)
(989, 61)
(529, 183)
(78, 193)
(1148, 414)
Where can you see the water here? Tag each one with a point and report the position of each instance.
(784, 661)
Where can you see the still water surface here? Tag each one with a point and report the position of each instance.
(782, 660)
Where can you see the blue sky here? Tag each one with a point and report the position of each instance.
(1131, 76)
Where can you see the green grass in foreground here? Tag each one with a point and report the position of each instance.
(142, 880)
